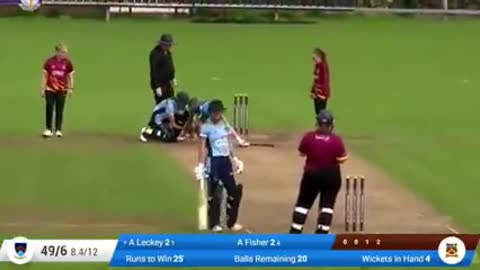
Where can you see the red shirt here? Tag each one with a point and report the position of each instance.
(58, 70)
(321, 81)
(322, 151)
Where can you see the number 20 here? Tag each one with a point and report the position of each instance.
(302, 258)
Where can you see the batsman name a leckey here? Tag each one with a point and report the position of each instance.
(151, 243)
(255, 242)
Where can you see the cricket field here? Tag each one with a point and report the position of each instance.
(405, 98)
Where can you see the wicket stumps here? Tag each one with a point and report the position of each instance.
(240, 113)
(354, 203)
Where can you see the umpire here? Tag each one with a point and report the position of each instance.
(324, 151)
(162, 69)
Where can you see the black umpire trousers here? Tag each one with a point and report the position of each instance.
(54, 103)
(319, 104)
(327, 183)
(167, 92)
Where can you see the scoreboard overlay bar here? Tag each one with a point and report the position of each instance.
(251, 250)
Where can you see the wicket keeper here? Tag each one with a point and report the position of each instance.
(163, 125)
(221, 173)
(324, 152)
(57, 83)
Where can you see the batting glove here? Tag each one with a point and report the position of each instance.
(181, 138)
(158, 91)
(199, 171)
(243, 143)
(238, 165)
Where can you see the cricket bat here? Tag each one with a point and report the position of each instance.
(241, 142)
(203, 206)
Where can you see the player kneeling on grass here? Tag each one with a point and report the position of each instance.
(162, 125)
(188, 119)
(214, 136)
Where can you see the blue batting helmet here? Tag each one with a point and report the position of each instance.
(324, 117)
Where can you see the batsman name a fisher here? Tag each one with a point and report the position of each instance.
(255, 242)
(152, 243)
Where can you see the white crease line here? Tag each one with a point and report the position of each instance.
(248, 231)
(452, 229)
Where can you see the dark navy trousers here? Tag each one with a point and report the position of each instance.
(222, 176)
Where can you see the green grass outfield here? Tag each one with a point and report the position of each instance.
(405, 94)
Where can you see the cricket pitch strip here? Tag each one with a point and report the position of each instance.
(271, 180)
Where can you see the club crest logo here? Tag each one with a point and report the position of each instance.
(452, 250)
(19, 250)
(30, 5)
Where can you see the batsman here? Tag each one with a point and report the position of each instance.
(216, 147)
(199, 113)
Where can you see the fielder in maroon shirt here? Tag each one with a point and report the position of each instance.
(324, 152)
(57, 83)
(320, 91)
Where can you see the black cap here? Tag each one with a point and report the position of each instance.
(216, 105)
(182, 99)
(166, 39)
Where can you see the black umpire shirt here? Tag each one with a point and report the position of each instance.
(162, 70)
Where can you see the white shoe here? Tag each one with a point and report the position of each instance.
(47, 133)
(236, 227)
(58, 133)
(217, 229)
(142, 137)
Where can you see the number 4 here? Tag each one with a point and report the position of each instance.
(44, 251)
(427, 259)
